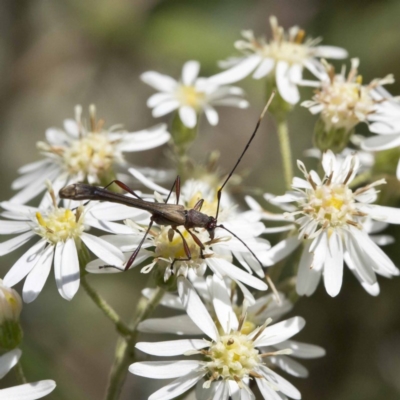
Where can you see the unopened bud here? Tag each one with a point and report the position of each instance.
(10, 309)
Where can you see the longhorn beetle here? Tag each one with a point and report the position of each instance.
(162, 213)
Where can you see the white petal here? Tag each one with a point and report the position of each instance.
(188, 116)
(57, 267)
(211, 114)
(164, 369)
(284, 386)
(281, 250)
(33, 166)
(267, 392)
(177, 325)
(190, 72)
(12, 244)
(37, 277)
(71, 127)
(169, 300)
(147, 182)
(307, 277)
(279, 332)
(222, 305)
(287, 89)
(390, 215)
(178, 386)
(70, 274)
(159, 81)
(290, 366)
(104, 250)
(238, 72)
(28, 391)
(331, 52)
(8, 361)
(107, 226)
(24, 264)
(158, 98)
(301, 350)
(264, 68)
(225, 268)
(385, 142)
(333, 269)
(196, 309)
(165, 108)
(172, 347)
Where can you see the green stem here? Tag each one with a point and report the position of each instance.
(19, 373)
(106, 308)
(124, 352)
(284, 141)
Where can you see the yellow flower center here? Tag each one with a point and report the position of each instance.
(233, 356)
(190, 96)
(60, 224)
(92, 154)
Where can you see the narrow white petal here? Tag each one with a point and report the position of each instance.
(107, 226)
(384, 142)
(268, 392)
(169, 300)
(287, 89)
(37, 277)
(57, 267)
(290, 366)
(211, 114)
(8, 360)
(279, 332)
(196, 309)
(225, 268)
(165, 108)
(281, 250)
(264, 68)
(333, 269)
(104, 250)
(172, 347)
(70, 274)
(28, 391)
(13, 227)
(158, 98)
(238, 72)
(190, 72)
(71, 127)
(284, 386)
(307, 277)
(331, 52)
(301, 350)
(390, 215)
(12, 244)
(188, 116)
(159, 81)
(164, 369)
(147, 182)
(178, 386)
(222, 305)
(33, 166)
(177, 325)
(24, 264)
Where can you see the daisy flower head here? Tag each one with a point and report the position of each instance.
(284, 57)
(334, 222)
(83, 152)
(27, 391)
(62, 239)
(230, 358)
(191, 95)
(176, 251)
(343, 102)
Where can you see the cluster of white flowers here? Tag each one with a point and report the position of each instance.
(208, 255)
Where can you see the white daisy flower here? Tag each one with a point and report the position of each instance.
(80, 153)
(191, 96)
(230, 358)
(169, 254)
(212, 292)
(285, 56)
(28, 391)
(334, 223)
(343, 102)
(61, 232)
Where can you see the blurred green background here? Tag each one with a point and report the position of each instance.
(55, 54)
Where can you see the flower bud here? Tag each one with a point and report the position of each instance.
(331, 137)
(10, 309)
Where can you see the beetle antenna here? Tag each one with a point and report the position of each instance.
(244, 151)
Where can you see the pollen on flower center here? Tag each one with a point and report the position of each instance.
(59, 225)
(190, 96)
(330, 205)
(92, 154)
(233, 356)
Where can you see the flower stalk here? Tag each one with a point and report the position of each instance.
(286, 153)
